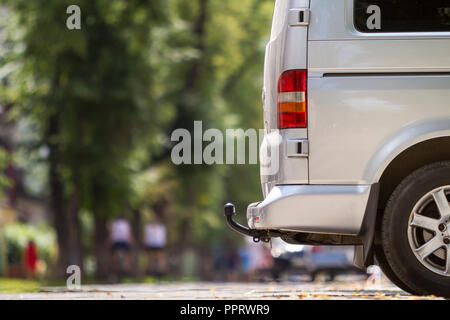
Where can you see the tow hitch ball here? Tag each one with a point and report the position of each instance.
(257, 235)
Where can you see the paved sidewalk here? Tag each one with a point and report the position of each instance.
(226, 291)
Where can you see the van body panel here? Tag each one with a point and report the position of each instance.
(403, 140)
(352, 118)
(287, 50)
(341, 56)
(289, 170)
(367, 89)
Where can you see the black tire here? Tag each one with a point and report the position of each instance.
(386, 268)
(416, 278)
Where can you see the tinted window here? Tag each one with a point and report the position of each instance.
(402, 15)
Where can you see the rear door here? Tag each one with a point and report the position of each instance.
(287, 50)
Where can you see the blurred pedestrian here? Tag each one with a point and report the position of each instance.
(31, 259)
(121, 240)
(232, 264)
(155, 240)
(245, 261)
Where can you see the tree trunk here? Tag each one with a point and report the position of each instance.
(185, 242)
(191, 83)
(76, 252)
(57, 198)
(65, 221)
(101, 251)
(200, 32)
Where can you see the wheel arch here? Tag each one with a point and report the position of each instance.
(409, 160)
(402, 165)
(403, 140)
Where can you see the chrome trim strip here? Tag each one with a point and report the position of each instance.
(384, 74)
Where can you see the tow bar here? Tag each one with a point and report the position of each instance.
(257, 235)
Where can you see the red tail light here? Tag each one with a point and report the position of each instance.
(292, 108)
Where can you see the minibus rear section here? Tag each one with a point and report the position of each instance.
(292, 203)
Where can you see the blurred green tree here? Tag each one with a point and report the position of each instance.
(215, 75)
(104, 100)
(88, 93)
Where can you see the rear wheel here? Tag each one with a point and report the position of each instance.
(387, 270)
(415, 231)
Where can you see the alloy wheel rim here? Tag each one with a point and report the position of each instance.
(429, 231)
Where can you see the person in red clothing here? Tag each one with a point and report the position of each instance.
(31, 259)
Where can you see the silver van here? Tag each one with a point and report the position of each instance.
(357, 148)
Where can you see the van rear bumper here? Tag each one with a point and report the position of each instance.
(327, 209)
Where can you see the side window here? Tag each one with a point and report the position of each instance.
(402, 15)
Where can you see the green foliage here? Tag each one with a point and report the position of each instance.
(135, 71)
(96, 81)
(4, 161)
(17, 236)
(18, 286)
(226, 60)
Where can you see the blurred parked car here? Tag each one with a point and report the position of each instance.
(290, 260)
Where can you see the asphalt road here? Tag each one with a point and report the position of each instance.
(340, 290)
